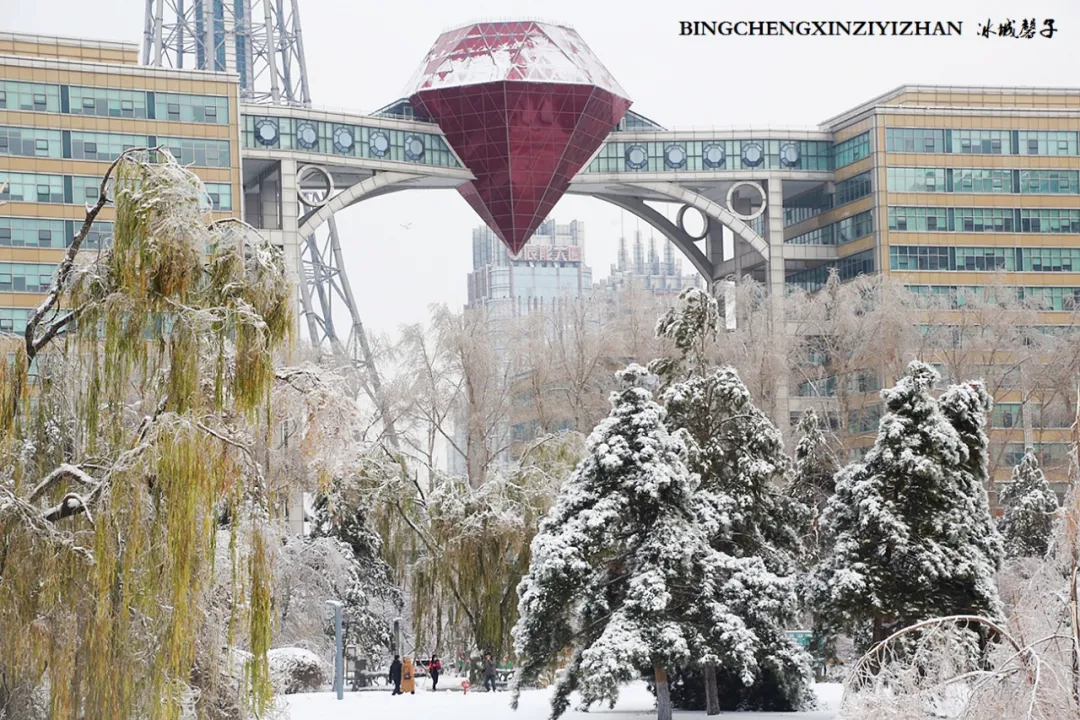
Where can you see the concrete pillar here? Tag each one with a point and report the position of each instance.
(774, 235)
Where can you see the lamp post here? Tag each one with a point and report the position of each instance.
(339, 669)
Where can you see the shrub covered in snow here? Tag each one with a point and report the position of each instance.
(296, 670)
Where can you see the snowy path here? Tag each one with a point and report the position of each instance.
(635, 703)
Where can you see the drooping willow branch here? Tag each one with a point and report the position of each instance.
(34, 344)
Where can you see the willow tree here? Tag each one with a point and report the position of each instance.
(128, 417)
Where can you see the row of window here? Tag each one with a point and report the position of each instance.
(79, 189)
(350, 140)
(861, 381)
(965, 259)
(26, 277)
(113, 102)
(708, 155)
(837, 233)
(940, 219)
(983, 180)
(47, 233)
(847, 268)
(1050, 455)
(855, 187)
(983, 142)
(1045, 298)
(77, 145)
(851, 150)
(1043, 417)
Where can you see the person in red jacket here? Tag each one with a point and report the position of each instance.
(434, 669)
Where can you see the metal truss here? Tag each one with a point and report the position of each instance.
(324, 282)
(260, 40)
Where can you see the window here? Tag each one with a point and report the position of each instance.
(198, 151)
(852, 189)
(983, 142)
(1047, 142)
(847, 268)
(107, 102)
(32, 187)
(31, 232)
(192, 108)
(917, 219)
(103, 146)
(219, 196)
(1050, 220)
(26, 277)
(837, 233)
(1049, 182)
(34, 97)
(914, 140)
(851, 150)
(30, 142)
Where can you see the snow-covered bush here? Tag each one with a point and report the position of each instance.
(296, 670)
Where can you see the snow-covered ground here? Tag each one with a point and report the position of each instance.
(634, 702)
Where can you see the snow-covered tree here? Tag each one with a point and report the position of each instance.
(812, 481)
(369, 586)
(739, 457)
(1028, 508)
(624, 574)
(911, 530)
(130, 412)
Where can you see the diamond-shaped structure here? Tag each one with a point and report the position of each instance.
(525, 105)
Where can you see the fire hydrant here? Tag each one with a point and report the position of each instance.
(464, 687)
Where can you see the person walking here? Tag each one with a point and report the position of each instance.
(395, 674)
(434, 669)
(489, 673)
(408, 677)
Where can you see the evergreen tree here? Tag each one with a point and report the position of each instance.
(910, 525)
(1028, 506)
(813, 481)
(371, 578)
(623, 573)
(739, 455)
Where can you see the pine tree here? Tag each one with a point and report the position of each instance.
(813, 481)
(911, 527)
(1029, 506)
(739, 455)
(623, 573)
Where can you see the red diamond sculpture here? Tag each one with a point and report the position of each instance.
(524, 105)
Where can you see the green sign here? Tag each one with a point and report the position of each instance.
(802, 637)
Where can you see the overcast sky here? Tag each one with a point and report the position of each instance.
(361, 53)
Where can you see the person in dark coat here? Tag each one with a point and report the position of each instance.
(489, 673)
(395, 674)
(434, 669)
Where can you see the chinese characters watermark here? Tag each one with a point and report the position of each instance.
(1026, 29)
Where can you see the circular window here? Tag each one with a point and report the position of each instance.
(752, 154)
(675, 156)
(306, 135)
(266, 132)
(414, 148)
(789, 154)
(343, 140)
(637, 157)
(379, 144)
(713, 155)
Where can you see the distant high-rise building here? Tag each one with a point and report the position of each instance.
(648, 271)
(549, 269)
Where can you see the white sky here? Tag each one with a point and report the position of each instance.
(361, 53)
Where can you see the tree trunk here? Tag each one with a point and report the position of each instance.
(663, 696)
(712, 694)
